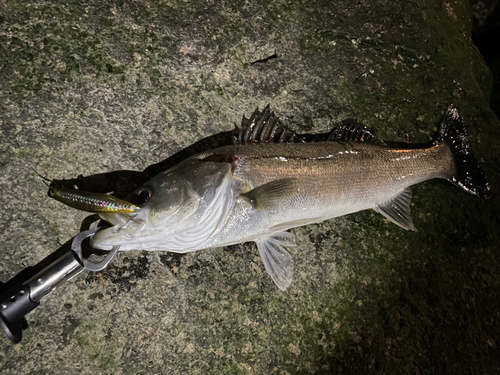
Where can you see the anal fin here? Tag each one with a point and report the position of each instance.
(398, 210)
(277, 261)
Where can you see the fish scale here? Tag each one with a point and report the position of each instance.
(333, 179)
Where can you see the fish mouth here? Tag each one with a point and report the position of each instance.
(124, 228)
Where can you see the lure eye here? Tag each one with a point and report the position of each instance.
(144, 195)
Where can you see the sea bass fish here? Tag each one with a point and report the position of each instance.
(270, 181)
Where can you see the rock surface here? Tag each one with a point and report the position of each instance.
(92, 87)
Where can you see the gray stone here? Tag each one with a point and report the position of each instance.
(92, 87)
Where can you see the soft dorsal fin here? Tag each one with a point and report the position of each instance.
(352, 130)
(264, 127)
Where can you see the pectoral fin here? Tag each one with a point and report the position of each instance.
(271, 195)
(277, 261)
(398, 210)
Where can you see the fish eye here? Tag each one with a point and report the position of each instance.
(144, 195)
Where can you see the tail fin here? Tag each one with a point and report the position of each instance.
(468, 174)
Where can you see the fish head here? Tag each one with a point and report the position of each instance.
(179, 210)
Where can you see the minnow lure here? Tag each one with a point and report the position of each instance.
(91, 202)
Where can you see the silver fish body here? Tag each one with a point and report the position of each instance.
(257, 191)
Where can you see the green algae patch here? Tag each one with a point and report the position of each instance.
(97, 346)
(55, 45)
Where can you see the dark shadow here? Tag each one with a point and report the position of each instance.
(486, 36)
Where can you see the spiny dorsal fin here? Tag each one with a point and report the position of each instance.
(352, 130)
(264, 127)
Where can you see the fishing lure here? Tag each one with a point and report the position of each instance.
(91, 202)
